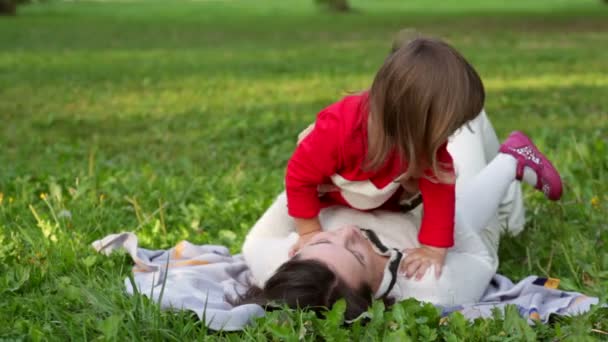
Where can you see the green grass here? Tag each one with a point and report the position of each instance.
(175, 120)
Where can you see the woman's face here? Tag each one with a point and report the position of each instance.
(346, 252)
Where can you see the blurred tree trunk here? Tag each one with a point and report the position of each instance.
(8, 7)
(337, 5)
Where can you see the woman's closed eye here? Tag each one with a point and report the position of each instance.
(356, 254)
(319, 242)
(359, 256)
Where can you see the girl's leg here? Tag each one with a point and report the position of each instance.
(475, 251)
(511, 212)
(468, 150)
(472, 148)
(490, 139)
(477, 203)
(519, 159)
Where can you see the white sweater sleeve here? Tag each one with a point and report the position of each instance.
(264, 255)
(267, 244)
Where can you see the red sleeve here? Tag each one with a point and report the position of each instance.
(439, 202)
(315, 159)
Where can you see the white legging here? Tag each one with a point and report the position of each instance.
(473, 260)
(481, 188)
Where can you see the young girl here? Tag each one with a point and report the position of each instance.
(380, 147)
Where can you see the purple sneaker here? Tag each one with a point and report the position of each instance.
(523, 149)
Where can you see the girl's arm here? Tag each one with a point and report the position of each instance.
(306, 229)
(315, 159)
(307, 226)
(437, 228)
(439, 203)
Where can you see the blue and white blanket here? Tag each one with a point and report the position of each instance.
(206, 278)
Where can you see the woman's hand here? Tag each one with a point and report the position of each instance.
(418, 260)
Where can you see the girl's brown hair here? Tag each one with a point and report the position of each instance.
(422, 94)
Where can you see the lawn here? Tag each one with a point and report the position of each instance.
(175, 119)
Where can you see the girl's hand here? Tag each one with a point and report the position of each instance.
(418, 260)
(306, 228)
(301, 242)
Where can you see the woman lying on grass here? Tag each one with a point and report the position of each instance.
(359, 254)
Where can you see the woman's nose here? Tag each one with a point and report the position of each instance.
(350, 232)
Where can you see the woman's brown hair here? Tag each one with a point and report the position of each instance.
(422, 94)
(311, 285)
